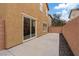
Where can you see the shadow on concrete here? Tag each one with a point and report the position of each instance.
(64, 49)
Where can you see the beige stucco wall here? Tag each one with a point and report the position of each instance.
(14, 22)
(2, 17)
(2, 10)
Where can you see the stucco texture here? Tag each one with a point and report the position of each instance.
(14, 21)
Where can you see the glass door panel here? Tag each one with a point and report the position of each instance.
(33, 28)
(26, 28)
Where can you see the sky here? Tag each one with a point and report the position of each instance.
(62, 8)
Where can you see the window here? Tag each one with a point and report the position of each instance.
(45, 27)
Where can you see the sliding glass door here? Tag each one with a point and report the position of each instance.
(33, 28)
(29, 28)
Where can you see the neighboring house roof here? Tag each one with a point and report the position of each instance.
(51, 16)
(47, 6)
(72, 11)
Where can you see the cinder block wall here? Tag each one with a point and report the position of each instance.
(55, 29)
(71, 34)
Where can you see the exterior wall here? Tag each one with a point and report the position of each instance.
(13, 26)
(3, 10)
(71, 34)
(55, 29)
(74, 14)
(44, 11)
(50, 21)
(43, 8)
(2, 18)
(14, 21)
(2, 45)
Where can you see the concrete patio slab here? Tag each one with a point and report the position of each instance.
(5, 53)
(46, 45)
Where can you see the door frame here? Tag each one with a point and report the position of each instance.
(31, 17)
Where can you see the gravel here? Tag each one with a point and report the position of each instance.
(64, 49)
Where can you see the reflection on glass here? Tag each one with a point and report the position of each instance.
(33, 28)
(29, 28)
(26, 28)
